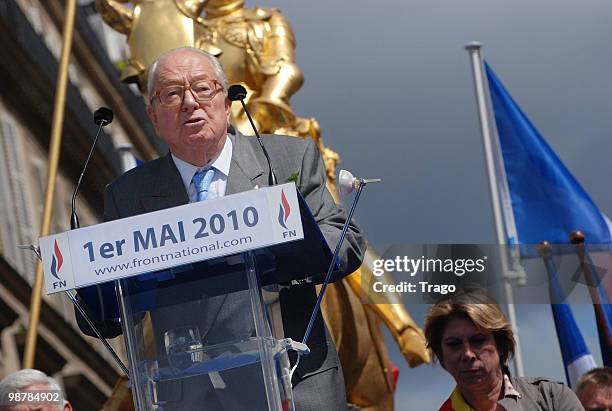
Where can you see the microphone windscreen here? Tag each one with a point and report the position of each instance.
(236, 92)
(346, 181)
(103, 115)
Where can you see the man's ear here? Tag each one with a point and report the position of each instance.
(152, 115)
(228, 106)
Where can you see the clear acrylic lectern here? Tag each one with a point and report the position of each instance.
(200, 337)
(208, 335)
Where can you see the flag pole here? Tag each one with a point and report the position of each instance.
(577, 238)
(486, 127)
(577, 359)
(545, 251)
(54, 153)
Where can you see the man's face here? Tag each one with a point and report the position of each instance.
(596, 398)
(469, 354)
(195, 131)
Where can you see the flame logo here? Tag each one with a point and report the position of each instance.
(284, 210)
(57, 262)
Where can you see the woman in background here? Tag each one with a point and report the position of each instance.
(471, 337)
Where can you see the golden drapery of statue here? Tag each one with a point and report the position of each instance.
(256, 48)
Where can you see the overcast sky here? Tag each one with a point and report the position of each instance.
(391, 85)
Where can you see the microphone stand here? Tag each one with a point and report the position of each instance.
(360, 185)
(85, 315)
(236, 92)
(332, 264)
(102, 117)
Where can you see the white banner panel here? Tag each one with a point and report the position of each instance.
(171, 237)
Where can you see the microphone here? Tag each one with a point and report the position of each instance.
(348, 182)
(237, 92)
(102, 117)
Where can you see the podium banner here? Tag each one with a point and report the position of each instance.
(171, 237)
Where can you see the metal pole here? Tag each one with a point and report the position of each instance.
(332, 264)
(112, 352)
(54, 153)
(485, 115)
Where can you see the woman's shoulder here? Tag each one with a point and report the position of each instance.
(545, 391)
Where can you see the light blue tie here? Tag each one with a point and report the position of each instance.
(202, 180)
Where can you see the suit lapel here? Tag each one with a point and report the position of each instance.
(245, 170)
(165, 189)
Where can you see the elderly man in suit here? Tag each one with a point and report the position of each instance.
(190, 111)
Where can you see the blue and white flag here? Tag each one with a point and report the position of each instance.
(577, 358)
(544, 202)
(547, 201)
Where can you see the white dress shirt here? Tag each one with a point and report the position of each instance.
(221, 163)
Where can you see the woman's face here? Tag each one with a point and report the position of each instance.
(469, 354)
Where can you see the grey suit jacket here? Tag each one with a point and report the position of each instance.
(156, 185)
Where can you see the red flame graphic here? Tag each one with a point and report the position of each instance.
(285, 204)
(58, 255)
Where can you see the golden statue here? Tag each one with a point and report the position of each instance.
(256, 48)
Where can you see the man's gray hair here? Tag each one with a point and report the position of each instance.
(218, 69)
(25, 378)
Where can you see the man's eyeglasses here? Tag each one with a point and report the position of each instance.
(202, 90)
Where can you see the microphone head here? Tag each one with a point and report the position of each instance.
(346, 181)
(236, 92)
(103, 116)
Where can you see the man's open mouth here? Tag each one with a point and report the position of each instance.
(194, 121)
